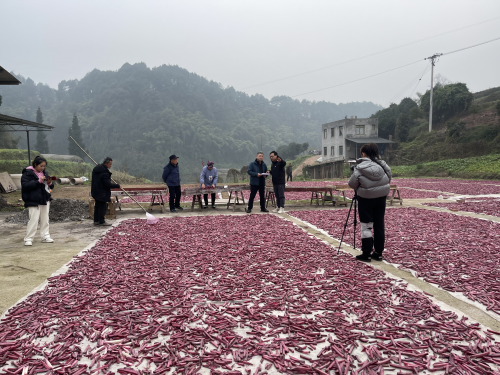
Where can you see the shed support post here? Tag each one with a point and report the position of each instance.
(29, 151)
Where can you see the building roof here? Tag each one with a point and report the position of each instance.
(14, 124)
(7, 79)
(369, 140)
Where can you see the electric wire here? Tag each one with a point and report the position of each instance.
(409, 85)
(356, 80)
(475, 45)
(322, 89)
(372, 54)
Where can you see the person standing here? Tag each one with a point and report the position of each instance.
(278, 173)
(208, 178)
(289, 172)
(172, 178)
(101, 190)
(258, 174)
(371, 179)
(35, 191)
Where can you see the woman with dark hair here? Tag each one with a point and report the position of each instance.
(35, 189)
(208, 178)
(371, 179)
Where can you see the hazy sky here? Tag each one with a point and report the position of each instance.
(246, 43)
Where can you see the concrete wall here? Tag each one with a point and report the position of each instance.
(348, 127)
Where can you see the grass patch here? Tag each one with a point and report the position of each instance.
(480, 167)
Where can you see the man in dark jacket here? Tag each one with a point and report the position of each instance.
(172, 178)
(258, 174)
(289, 172)
(101, 190)
(278, 172)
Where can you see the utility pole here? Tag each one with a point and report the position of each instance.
(432, 58)
(261, 150)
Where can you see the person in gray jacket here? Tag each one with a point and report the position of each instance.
(371, 179)
(208, 178)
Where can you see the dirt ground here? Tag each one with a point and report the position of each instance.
(309, 161)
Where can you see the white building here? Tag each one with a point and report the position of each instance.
(342, 139)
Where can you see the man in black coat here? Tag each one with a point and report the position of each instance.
(278, 172)
(101, 190)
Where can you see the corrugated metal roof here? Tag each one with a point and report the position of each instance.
(9, 123)
(7, 79)
(369, 140)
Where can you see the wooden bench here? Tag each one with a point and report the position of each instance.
(155, 193)
(395, 197)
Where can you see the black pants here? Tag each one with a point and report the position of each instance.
(371, 215)
(289, 176)
(205, 197)
(100, 209)
(262, 193)
(279, 193)
(174, 199)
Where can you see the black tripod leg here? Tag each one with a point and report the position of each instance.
(345, 225)
(355, 222)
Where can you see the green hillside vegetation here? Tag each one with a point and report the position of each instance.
(13, 161)
(139, 116)
(481, 167)
(464, 125)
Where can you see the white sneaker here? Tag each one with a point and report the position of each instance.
(276, 210)
(48, 240)
(28, 243)
(281, 211)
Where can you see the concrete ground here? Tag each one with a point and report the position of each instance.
(24, 268)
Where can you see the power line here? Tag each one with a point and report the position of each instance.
(409, 85)
(372, 54)
(435, 57)
(363, 78)
(475, 45)
(325, 88)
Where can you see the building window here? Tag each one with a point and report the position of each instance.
(373, 128)
(341, 131)
(341, 150)
(332, 150)
(324, 151)
(332, 132)
(324, 133)
(360, 129)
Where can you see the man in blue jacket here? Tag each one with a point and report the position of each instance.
(258, 174)
(172, 178)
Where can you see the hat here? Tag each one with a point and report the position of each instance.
(210, 164)
(173, 157)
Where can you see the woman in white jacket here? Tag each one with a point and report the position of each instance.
(371, 179)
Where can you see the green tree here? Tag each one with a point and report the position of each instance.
(234, 174)
(498, 108)
(403, 125)
(449, 100)
(388, 117)
(291, 151)
(455, 128)
(41, 145)
(76, 133)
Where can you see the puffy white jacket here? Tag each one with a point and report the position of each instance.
(371, 178)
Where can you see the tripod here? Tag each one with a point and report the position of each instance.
(355, 222)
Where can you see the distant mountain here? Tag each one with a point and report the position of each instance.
(140, 116)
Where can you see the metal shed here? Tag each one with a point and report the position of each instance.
(14, 124)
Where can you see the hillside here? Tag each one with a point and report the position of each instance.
(140, 116)
(464, 125)
(479, 167)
